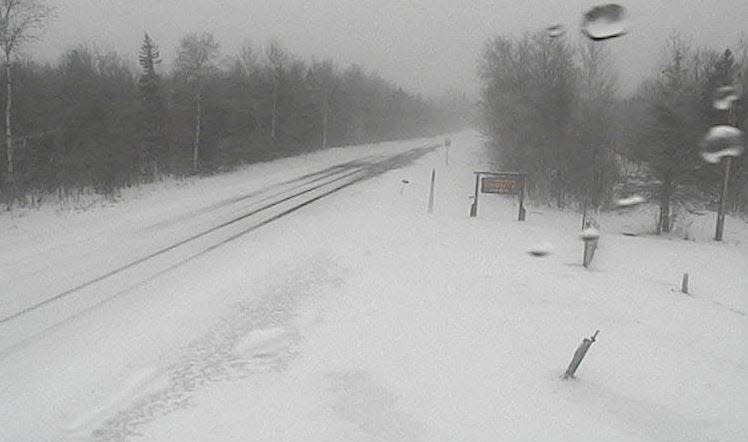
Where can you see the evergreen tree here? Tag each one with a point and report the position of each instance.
(671, 121)
(153, 147)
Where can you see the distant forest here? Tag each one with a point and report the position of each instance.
(97, 121)
(551, 107)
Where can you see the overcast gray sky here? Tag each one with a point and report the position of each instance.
(426, 46)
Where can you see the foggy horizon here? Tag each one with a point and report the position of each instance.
(425, 47)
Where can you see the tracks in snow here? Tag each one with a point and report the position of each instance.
(236, 217)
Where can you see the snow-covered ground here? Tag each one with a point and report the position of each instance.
(361, 317)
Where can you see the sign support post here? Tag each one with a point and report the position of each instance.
(474, 206)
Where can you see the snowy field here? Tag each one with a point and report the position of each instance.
(361, 317)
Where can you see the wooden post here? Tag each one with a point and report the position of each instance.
(579, 354)
(726, 163)
(584, 214)
(431, 192)
(474, 206)
(684, 284)
(723, 199)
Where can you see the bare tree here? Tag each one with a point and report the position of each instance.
(595, 124)
(248, 59)
(250, 68)
(195, 60)
(324, 82)
(529, 97)
(278, 59)
(20, 22)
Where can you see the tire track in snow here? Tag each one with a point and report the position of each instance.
(364, 170)
(298, 183)
(170, 248)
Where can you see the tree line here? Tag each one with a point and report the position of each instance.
(96, 120)
(551, 107)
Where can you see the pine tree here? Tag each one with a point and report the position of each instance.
(671, 122)
(154, 145)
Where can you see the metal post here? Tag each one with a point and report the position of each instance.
(579, 355)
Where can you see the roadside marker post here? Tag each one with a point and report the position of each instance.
(447, 144)
(403, 183)
(579, 354)
(590, 245)
(431, 191)
(590, 236)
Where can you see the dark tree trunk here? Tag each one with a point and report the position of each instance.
(9, 178)
(197, 132)
(667, 189)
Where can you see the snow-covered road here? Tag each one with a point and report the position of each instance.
(73, 299)
(94, 270)
(361, 317)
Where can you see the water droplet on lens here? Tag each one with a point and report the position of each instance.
(604, 22)
(724, 97)
(555, 31)
(723, 134)
(716, 157)
(710, 157)
(631, 201)
(722, 141)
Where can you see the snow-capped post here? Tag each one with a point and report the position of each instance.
(431, 191)
(684, 284)
(579, 354)
(590, 236)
